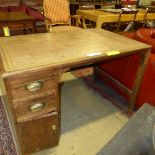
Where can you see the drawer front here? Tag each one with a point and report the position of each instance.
(32, 87)
(40, 133)
(34, 107)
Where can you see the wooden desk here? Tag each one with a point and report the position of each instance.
(100, 17)
(17, 20)
(31, 68)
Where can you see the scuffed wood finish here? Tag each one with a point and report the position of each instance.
(65, 49)
(22, 106)
(42, 123)
(43, 58)
(40, 133)
(101, 17)
(19, 83)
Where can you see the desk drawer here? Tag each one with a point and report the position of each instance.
(28, 87)
(40, 133)
(26, 109)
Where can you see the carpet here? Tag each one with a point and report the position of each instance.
(102, 88)
(7, 146)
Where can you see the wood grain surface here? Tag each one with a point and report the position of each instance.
(66, 49)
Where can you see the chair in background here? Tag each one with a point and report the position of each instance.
(57, 16)
(148, 23)
(89, 24)
(145, 23)
(126, 26)
(122, 26)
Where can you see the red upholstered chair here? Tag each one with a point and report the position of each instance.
(57, 16)
(124, 69)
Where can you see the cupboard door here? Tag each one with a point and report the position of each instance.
(40, 133)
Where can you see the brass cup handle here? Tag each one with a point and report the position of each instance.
(34, 86)
(38, 106)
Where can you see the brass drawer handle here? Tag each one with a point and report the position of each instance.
(34, 86)
(38, 106)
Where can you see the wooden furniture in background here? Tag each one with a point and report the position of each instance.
(24, 6)
(100, 16)
(17, 20)
(89, 24)
(132, 22)
(148, 10)
(121, 26)
(31, 68)
(57, 16)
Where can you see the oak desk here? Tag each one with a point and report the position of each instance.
(100, 16)
(31, 68)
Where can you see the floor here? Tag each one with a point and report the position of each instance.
(88, 120)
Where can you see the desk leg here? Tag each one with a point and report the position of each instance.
(143, 63)
(98, 24)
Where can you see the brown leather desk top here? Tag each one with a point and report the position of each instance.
(65, 49)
